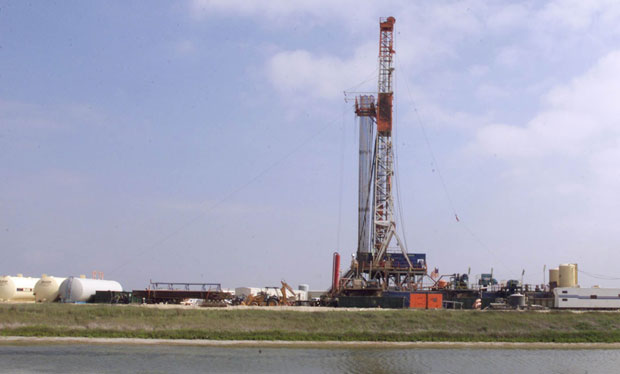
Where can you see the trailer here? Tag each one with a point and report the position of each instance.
(169, 293)
(586, 298)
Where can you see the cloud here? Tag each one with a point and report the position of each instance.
(491, 92)
(577, 14)
(304, 73)
(184, 47)
(577, 118)
(222, 209)
(551, 180)
(52, 179)
(425, 36)
(205, 8)
(511, 56)
(22, 115)
(509, 16)
(14, 114)
(280, 9)
(478, 70)
(429, 31)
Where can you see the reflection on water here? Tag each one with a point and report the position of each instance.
(187, 359)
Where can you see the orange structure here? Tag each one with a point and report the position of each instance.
(425, 300)
(386, 95)
(417, 301)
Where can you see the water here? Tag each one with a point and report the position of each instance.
(188, 359)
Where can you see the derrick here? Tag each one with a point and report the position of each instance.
(382, 262)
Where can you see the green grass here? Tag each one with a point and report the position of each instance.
(394, 325)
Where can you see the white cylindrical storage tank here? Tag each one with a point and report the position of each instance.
(17, 288)
(46, 289)
(554, 276)
(75, 289)
(7, 288)
(576, 277)
(303, 287)
(567, 275)
(301, 295)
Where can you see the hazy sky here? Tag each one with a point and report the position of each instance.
(210, 141)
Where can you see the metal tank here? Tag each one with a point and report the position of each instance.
(554, 277)
(75, 289)
(17, 288)
(516, 300)
(576, 275)
(366, 147)
(336, 272)
(568, 273)
(46, 289)
(303, 287)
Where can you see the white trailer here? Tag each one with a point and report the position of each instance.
(586, 298)
(247, 291)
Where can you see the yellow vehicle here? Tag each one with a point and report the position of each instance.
(286, 299)
(263, 298)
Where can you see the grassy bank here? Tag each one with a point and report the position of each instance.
(394, 325)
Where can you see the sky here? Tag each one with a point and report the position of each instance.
(215, 140)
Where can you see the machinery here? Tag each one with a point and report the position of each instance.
(269, 296)
(286, 299)
(264, 298)
(383, 273)
(382, 262)
(486, 279)
(175, 293)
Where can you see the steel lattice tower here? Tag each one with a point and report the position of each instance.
(375, 269)
(384, 224)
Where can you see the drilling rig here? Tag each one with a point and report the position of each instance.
(382, 262)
